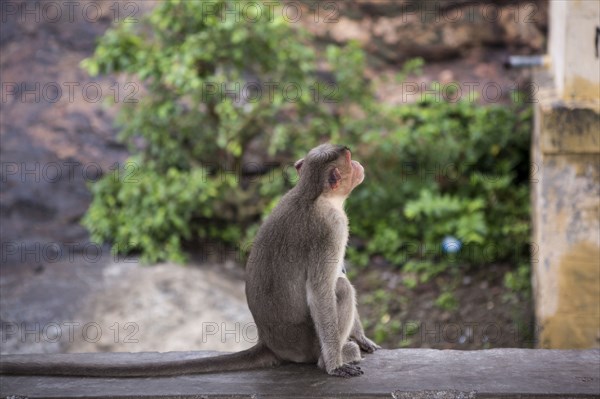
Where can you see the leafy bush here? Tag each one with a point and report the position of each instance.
(141, 210)
(518, 281)
(433, 168)
(221, 88)
(445, 169)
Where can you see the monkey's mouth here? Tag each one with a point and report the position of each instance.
(359, 172)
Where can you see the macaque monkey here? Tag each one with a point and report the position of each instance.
(302, 303)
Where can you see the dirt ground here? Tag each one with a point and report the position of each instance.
(469, 310)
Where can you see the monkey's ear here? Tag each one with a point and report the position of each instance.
(335, 177)
(298, 165)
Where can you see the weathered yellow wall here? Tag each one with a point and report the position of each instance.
(575, 323)
(573, 50)
(566, 198)
(566, 181)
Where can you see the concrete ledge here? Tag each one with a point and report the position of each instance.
(401, 373)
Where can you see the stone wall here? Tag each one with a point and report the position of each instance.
(399, 374)
(566, 182)
(437, 30)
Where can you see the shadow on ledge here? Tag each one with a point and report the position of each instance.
(400, 373)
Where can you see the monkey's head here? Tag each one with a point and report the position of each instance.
(329, 170)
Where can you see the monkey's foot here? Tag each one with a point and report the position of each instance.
(346, 371)
(367, 345)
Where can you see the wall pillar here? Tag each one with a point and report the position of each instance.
(566, 181)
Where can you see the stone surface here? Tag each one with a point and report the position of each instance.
(463, 42)
(568, 130)
(401, 373)
(566, 220)
(436, 30)
(170, 307)
(573, 46)
(56, 134)
(34, 300)
(112, 305)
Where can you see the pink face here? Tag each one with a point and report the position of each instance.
(357, 172)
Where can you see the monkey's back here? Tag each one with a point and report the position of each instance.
(276, 275)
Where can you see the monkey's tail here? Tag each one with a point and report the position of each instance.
(256, 357)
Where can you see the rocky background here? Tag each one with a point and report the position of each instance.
(57, 137)
(462, 41)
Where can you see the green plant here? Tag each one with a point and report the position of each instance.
(219, 86)
(382, 325)
(518, 281)
(434, 168)
(142, 209)
(444, 169)
(411, 66)
(447, 301)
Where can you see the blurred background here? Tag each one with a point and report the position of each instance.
(144, 142)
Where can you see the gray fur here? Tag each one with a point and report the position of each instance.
(303, 304)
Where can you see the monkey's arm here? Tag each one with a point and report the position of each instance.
(358, 335)
(322, 305)
(321, 298)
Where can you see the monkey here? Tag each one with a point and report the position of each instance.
(303, 305)
(301, 301)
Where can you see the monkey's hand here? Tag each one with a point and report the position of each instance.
(346, 371)
(366, 344)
